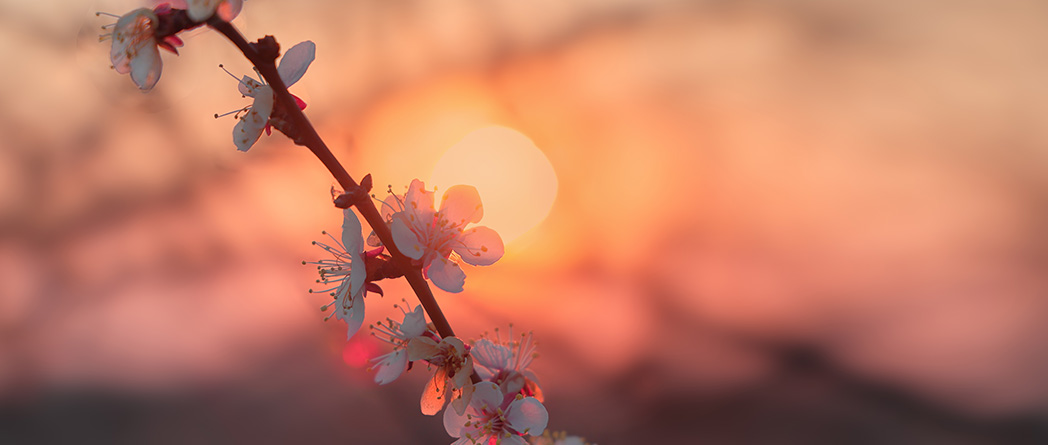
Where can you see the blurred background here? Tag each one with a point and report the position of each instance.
(747, 222)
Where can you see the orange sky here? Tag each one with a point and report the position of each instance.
(861, 179)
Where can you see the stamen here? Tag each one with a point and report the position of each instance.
(242, 110)
(261, 79)
(100, 13)
(230, 74)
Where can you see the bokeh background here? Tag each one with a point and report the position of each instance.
(775, 222)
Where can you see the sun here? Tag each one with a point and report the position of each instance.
(516, 182)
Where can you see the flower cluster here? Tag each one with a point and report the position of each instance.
(138, 35)
(507, 403)
(503, 406)
(430, 237)
(486, 388)
(494, 395)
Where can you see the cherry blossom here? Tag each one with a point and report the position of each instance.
(139, 34)
(345, 273)
(451, 377)
(135, 46)
(255, 118)
(507, 363)
(391, 365)
(201, 10)
(430, 236)
(493, 417)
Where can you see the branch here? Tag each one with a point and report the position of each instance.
(263, 55)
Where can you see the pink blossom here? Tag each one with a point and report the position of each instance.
(507, 361)
(389, 367)
(451, 378)
(346, 273)
(134, 47)
(255, 118)
(493, 417)
(431, 236)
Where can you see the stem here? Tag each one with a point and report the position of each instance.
(266, 64)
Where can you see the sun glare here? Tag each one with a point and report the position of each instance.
(516, 182)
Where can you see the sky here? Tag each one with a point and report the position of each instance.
(750, 222)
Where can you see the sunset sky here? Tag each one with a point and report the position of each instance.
(728, 222)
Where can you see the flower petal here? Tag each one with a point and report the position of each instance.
(354, 244)
(146, 66)
(454, 422)
(229, 9)
(486, 396)
(133, 32)
(490, 358)
(462, 398)
(419, 201)
(435, 394)
(351, 238)
(391, 366)
(422, 348)
(461, 205)
(295, 62)
(446, 274)
(392, 204)
(353, 314)
(251, 124)
(405, 239)
(248, 86)
(480, 246)
(414, 323)
(527, 416)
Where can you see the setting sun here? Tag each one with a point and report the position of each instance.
(516, 182)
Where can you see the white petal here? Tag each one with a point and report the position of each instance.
(146, 66)
(254, 121)
(480, 246)
(461, 205)
(419, 201)
(132, 32)
(391, 205)
(295, 62)
(486, 396)
(354, 245)
(490, 357)
(354, 316)
(527, 416)
(453, 423)
(351, 237)
(414, 323)
(391, 367)
(248, 86)
(405, 239)
(446, 274)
